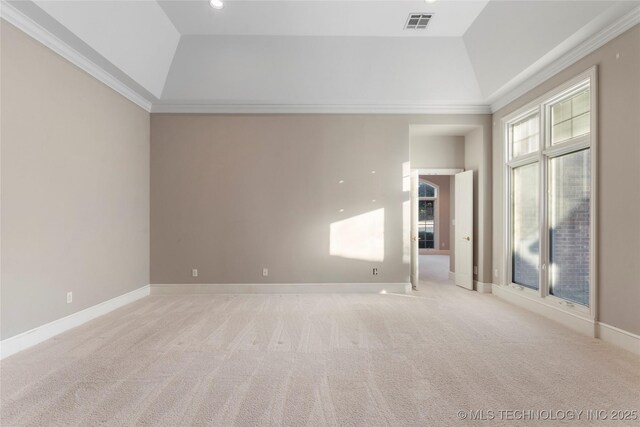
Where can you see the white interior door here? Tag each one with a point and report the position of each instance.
(414, 230)
(464, 229)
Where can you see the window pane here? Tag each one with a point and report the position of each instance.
(525, 226)
(570, 226)
(426, 223)
(426, 190)
(562, 131)
(580, 103)
(571, 117)
(581, 124)
(525, 135)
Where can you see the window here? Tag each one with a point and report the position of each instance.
(426, 190)
(525, 135)
(550, 179)
(525, 226)
(570, 118)
(427, 194)
(570, 226)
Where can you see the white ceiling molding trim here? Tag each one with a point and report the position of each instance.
(520, 86)
(319, 109)
(13, 16)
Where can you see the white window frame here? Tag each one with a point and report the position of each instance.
(546, 152)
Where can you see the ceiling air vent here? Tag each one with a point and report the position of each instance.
(418, 21)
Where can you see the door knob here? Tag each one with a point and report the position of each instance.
(467, 238)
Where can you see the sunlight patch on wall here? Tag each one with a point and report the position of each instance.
(359, 237)
(406, 232)
(406, 177)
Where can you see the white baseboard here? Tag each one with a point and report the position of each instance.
(483, 288)
(607, 333)
(42, 333)
(573, 321)
(452, 276)
(281, 288)
(619, 337)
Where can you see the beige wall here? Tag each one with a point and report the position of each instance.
(75, 188)
(443, 206)
(231, 194)
(435, 151)
(452, 228)
(618, 174)
(477, 157)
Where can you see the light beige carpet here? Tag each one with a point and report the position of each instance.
(367, 360)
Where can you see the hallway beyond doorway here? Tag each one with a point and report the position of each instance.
(435, 269)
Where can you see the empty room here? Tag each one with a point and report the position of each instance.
(319, 212)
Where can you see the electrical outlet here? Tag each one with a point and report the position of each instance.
(375, 271)
(496, 272)
(194, 272)
(265, 272)
(442, 245)
(69, 297)
(475, 269)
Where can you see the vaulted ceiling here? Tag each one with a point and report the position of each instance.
(314, 55)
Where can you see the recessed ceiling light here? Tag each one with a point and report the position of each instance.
(341, 181)
(430, 1)
(216, 4)
(341, 210)
(373, 171)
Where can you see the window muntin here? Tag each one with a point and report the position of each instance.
(571, 117)
(525, 228)
(524, 135)
(570, 226)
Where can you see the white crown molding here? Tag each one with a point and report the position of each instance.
(518, 87)
(318, 109)
(280, 288)
(15, 17)
(42, 333)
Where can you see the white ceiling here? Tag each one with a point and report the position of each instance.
(321, 71)
(321, 18)
(113, 28)
(504, 41)
(331, 55)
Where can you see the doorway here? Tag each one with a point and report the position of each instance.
(454, 246)
(433, 228)
(447, 150)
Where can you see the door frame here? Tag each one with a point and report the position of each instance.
(415, 251)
